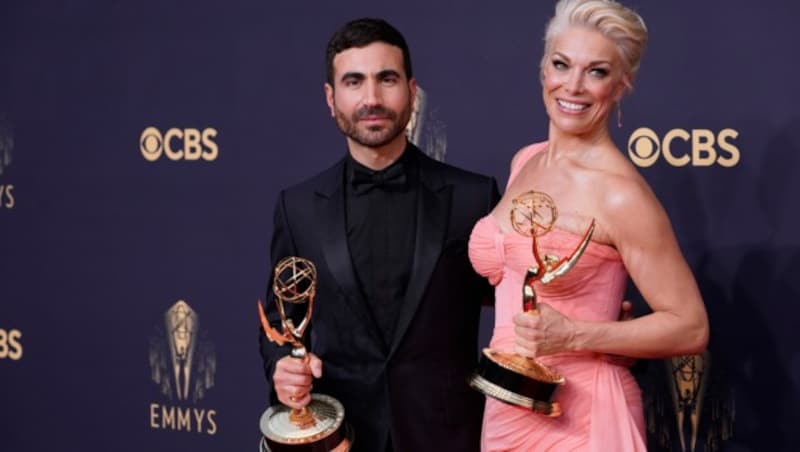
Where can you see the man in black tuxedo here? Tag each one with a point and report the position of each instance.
(395, 321)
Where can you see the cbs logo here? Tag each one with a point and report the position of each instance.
(10, 346)
(179, 144)
(679, 147)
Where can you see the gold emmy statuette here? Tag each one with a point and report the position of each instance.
(320, 425)
(688, 378)
(509, 377)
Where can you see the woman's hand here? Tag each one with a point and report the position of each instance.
(543, 333)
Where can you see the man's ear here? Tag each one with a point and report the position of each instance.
(412, 89)
(329, 99)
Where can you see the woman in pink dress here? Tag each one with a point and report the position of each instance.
(592, 53)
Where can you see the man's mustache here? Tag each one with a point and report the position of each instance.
(374, 111)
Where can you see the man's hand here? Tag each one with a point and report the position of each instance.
(626, 310)
(293, 378)
(625, 313)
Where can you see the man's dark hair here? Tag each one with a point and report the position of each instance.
(361, 33)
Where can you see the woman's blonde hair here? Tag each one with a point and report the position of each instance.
(608, 17)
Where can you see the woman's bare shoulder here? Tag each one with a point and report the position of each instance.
(623, 185)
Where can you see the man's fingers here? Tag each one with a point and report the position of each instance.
(293, 379)
(291, 365)
(626, 310)
(295, 397)
(315, 365)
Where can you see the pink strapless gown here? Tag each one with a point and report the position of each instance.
(601, 401)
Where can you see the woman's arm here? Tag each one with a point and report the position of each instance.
(640, 230)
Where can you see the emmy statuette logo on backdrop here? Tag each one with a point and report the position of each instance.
(7, 200)
(425, 129)
(183, 366)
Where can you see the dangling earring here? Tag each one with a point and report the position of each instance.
(619, 114)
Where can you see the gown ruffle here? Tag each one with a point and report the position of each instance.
(601, 401)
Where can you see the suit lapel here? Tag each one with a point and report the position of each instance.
(330, 208)
(433, 213)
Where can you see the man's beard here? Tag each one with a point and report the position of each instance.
(373, 136)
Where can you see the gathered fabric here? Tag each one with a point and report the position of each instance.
(601, 401)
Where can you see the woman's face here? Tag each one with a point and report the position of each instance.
(582, 79)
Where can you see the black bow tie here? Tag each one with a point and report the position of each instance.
(364, 180)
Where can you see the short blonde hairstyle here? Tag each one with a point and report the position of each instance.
(608, 17)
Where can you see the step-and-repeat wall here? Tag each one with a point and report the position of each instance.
(142, 146)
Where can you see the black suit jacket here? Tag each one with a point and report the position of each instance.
(417, 385)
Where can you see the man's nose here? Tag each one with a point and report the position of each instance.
(372, 93)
